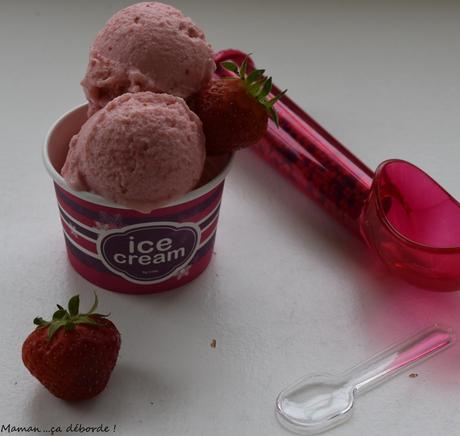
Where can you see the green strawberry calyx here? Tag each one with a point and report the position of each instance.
(257, 85)
(69, 318)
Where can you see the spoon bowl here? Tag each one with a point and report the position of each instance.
(413, 224)
(315, 404)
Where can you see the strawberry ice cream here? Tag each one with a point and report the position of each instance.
(141, 150)
(147, 47)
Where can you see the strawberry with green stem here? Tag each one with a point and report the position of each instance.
(74, 354)
(235, 110)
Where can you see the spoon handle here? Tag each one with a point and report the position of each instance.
(399, 357)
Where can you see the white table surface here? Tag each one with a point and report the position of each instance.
(289, 291)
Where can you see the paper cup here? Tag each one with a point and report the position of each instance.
(123, 250)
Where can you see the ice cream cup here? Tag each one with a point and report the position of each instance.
(123, 250)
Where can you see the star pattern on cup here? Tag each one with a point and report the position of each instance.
(183, 272)
(108, 222)
(102, 226)
(73, 230)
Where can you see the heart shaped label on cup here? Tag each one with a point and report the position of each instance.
(148, 252)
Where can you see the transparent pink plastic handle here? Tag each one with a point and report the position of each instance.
(400, 211)
(313, 159)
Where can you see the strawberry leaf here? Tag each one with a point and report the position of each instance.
(69, 326)
(94, 306)
(54, 327)
(275, 99)
(257, 86)
(102, 315)
(255, 76)
(254, 89)
(83, 319)
(71, 317)
(265, 89)
(74, 304)
(275, 118)
(243, 67)
(40, 322)
(230, 66)
(59, 314)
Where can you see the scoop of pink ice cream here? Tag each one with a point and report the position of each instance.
(141, 150)
(147, 47)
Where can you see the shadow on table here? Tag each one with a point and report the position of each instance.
(392, 308)
(130, 394)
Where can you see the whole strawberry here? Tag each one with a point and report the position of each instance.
(74, 354)
(235, 110)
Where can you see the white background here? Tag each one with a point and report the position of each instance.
(289, 291)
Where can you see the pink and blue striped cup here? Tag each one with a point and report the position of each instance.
(123, 250)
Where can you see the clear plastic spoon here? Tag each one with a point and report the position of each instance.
(319, 402)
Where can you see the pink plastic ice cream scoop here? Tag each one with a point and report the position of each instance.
(401, 212)
(141, 150)
(147, 47)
